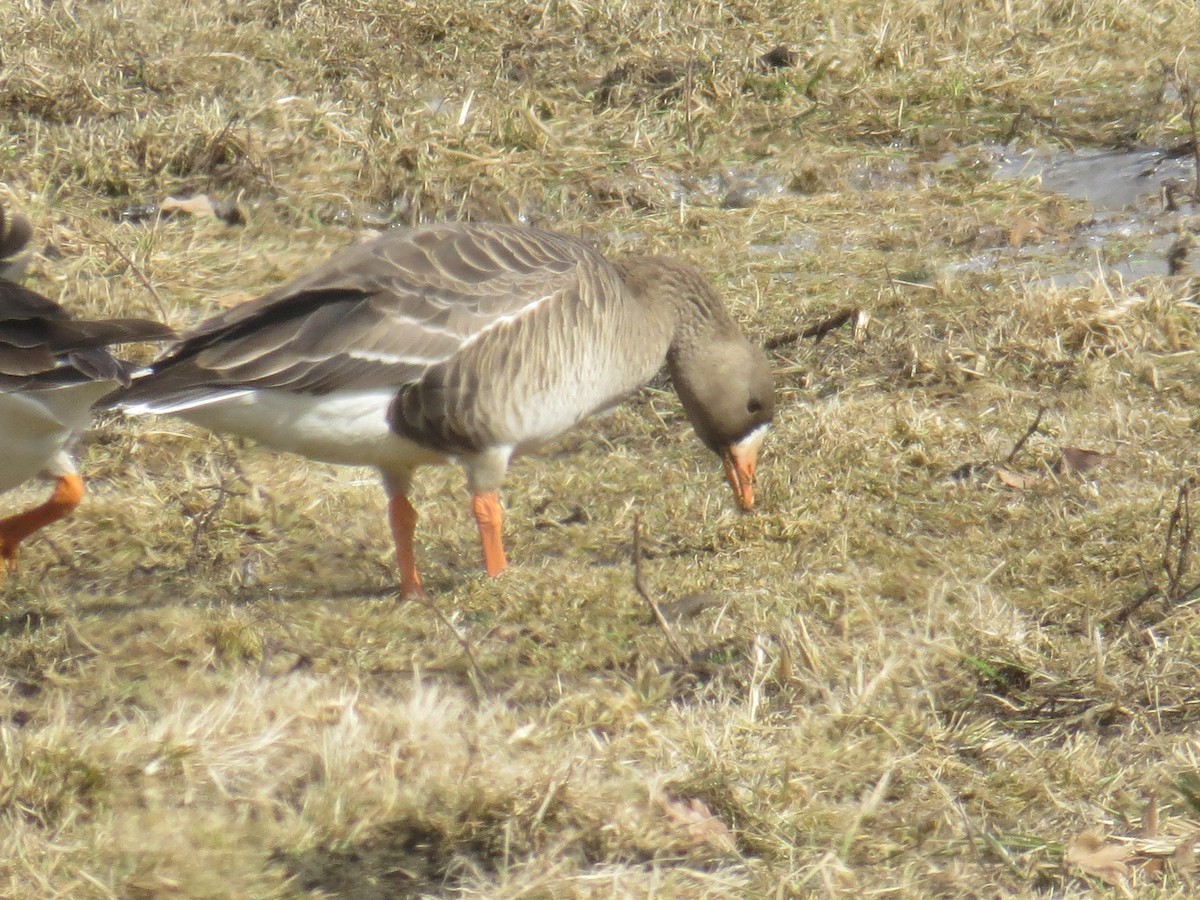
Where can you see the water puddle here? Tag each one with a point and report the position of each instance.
(1131, 231)
(1128, 235)
(1107, 179)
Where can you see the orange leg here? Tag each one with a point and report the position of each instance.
(403, 519)
(67, 493)
(490, 518)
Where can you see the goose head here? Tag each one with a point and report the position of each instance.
(723, 380)
(728, 393)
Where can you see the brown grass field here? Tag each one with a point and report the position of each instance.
(903, 678)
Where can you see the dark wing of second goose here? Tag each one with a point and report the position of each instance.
(41, 344)
(376, 315)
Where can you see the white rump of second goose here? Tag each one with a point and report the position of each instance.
(467, 344)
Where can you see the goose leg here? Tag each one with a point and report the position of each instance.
(68, 491)
(490, 519)
(403, 519)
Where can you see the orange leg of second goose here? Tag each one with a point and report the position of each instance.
(490, 519)
(68, 491)
(403, 519)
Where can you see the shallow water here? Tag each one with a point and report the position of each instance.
(1128, 235)
(1132, 229)
(1107, 179)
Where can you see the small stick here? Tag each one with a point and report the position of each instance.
(140, 275)
(472, 666)
(818, 331)
(838, 319)
(1026, 436)
(689, 84)
(1121, 616)
(1187, 93)
(1181, 519)
(639, 585)
(1179, 535)
(891, 282)
(212, 153)
(203, 520)
(781, 340)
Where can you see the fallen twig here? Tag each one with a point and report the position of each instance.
(1032, 430)
(1181, 522)
(689, 84)
(818, 331)
(215, 148)
(639, 585)
(473, 672)
(140, 276)
(204, 519)
(1187, 93)
(1121, 616)
(1176, 556)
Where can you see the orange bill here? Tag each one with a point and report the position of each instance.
(740, 460)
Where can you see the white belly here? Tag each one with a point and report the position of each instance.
(344, 428)
(36, 425)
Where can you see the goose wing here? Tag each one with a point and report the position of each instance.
(378, 314)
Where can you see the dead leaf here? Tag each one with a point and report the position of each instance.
(1093, 855)
(199, 206)
(1076, 461)
(204, 207)
(688, 606)
(1184, 857)
(1028, 231)
(228, 301)
(1022, 230)
(784, 671)
(702, 826)
(1150, 817)
(1153, 868)
(1015, 480)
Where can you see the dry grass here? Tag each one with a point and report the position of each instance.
(903, 683)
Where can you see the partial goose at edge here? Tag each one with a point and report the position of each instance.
(53, 367)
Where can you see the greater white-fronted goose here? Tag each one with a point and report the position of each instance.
(52, 369)
(468, 344)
